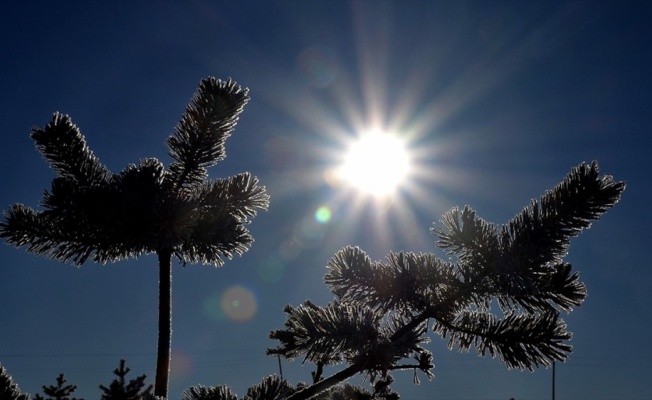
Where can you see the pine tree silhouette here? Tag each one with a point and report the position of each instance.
(119, 389)
(60, 391)
(502, 297)
(8, 389)
(92, 213)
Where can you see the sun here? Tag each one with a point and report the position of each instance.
(377, 163)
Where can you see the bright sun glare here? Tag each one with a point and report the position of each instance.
(377, 164)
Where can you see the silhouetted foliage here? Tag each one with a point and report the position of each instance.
(60, 391)
(8, 389)
(208, 393)
(92, 213)
(502, 293)
(120, 389)
(351, 392)
(380, 313)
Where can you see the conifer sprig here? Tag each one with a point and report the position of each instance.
(199, 137)
(518, 266)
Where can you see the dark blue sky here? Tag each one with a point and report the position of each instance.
(498, 100)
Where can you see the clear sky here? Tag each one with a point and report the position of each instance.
(495, 101)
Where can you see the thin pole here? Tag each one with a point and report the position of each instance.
(280, 369)
(553, 380)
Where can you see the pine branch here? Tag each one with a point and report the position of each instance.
(533, 243)
(352, 275)
(541, 233)
(406, 281)
(494, 263)
(222, 210)
(23, 226)
(327, 334)
(555, 288)
(466, 236)
(198, 139)
(346, 392)
(518, 262)
(214, 238)
(201, 392)
(522, 341)
(63, 145)
(238, 195)
(271, 388)
(65, 240)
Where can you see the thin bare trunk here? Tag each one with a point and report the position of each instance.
(164, 323)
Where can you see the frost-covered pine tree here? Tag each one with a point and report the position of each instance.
(502, 296)
(93, 213)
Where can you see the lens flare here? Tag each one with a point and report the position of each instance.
(271, 270)
(323, 214)
(239, 303)
(212, 307)
(309, 233)
(182, 366)
(290, 249)
(318, 66)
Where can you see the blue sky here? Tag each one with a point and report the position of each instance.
(496, 101)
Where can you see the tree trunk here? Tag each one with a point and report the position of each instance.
(164, 323)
